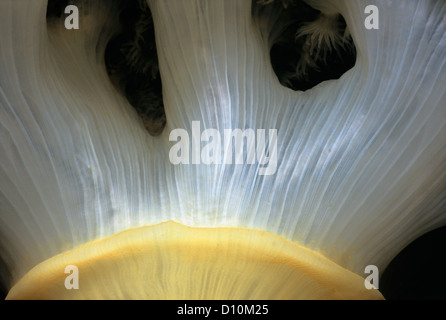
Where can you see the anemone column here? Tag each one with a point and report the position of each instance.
(360, 174)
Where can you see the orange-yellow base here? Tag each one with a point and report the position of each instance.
(172, 261)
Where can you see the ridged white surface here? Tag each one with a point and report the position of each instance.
(361, 160)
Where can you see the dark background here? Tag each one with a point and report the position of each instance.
(419, 271)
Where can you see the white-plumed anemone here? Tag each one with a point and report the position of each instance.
(361, 160)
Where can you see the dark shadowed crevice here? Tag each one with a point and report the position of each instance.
(130, 58)
(55, 8)
(306, 46)
(132, 63)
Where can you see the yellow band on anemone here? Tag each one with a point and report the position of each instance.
(172, 261)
